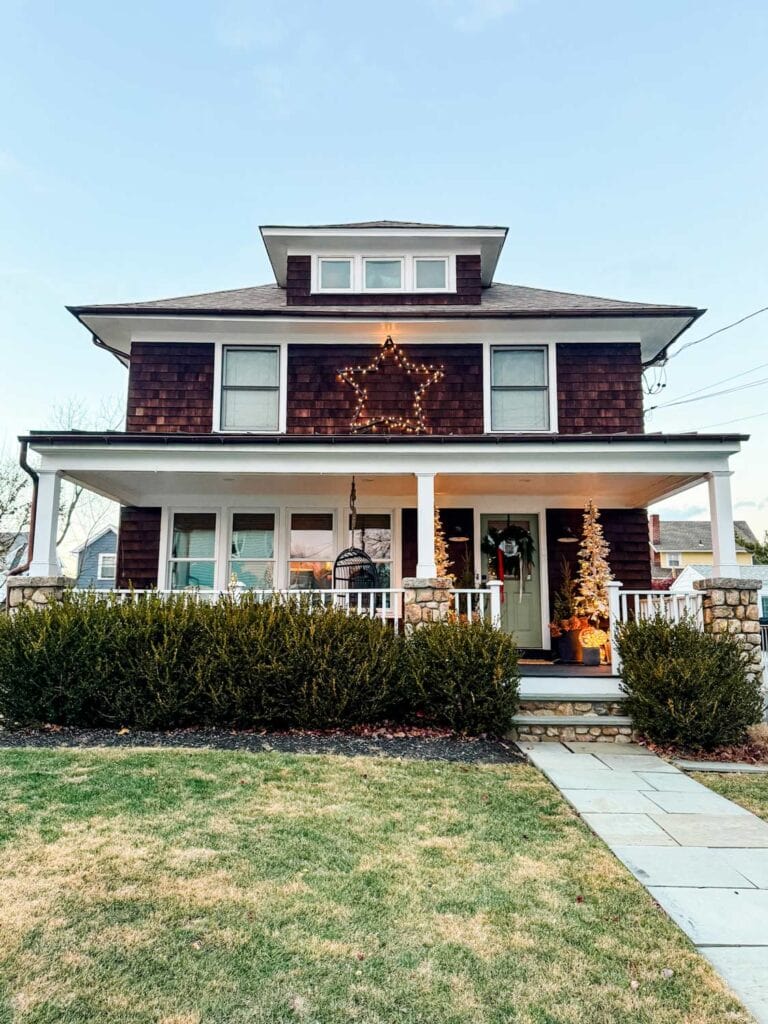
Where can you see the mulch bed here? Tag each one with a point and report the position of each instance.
(416, 744)
(745, 753)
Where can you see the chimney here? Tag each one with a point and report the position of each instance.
(654, 527)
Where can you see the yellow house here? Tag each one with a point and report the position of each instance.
(677, 543)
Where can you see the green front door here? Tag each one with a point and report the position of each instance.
(521, 607)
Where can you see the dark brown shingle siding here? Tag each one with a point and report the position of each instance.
(138, 547)
(468, 288)
(599, 389)
(170, 388)
(625, 529)
(318, 403)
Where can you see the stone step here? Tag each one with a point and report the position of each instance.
(570, 688)
(617, 721)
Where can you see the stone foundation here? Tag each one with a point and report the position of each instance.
(34, 591)
(426, 600)
(729, 605)
(572, 734)
(567, 707)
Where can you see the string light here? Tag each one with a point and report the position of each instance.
(361, 419)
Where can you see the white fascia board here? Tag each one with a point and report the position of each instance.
(673, 458)
(119, 331)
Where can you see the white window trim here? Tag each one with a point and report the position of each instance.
(677, 555)
(408, 263)
(100, 569)
(166, 543)
(551, 349)
(333, 259)
(218, 377)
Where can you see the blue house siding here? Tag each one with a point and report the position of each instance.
(88, 562)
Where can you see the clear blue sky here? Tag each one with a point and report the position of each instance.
(625, 144)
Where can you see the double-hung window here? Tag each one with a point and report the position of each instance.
(373, 535)
(519, 389)
(250, 388)
(192, 563)
(252, 550)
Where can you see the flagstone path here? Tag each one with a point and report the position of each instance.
(703, 858)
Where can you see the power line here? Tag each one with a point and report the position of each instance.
(739, 419)
(698, 341)
(712, 394)
(714, 384)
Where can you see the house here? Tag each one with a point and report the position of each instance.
(13, 551)
(96, 561)
(676, 543)
(386, 355)
(683, 584)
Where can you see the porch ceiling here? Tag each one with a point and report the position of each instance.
(617, 490)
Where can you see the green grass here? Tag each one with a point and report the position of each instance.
(751, 791)
(181, 887)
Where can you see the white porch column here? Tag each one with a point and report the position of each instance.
(425, 490)
(721, 516)
(44, 561)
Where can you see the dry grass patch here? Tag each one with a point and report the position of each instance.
(222, 888)
(750, 791)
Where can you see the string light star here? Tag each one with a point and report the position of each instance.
(361, 378)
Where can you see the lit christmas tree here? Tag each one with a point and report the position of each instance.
(443, 563)
(594, 570)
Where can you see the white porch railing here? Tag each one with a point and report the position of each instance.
(386, 605)
(628, 605)
(481, 604)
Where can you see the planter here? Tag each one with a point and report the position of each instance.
(568, 646)
(590, 656)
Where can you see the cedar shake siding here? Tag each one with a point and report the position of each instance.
(138, 548)
(319, 403)
(599, 389)
(468, 288)
(625, 529)
(170, 388)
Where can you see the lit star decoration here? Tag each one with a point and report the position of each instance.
(359, 379)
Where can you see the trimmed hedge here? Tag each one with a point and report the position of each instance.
(686, 687)
(155, 663)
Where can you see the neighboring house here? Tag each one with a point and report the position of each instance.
(676, 543)
(13, 552)
(388, 352)
(684, 582)
(96, 561)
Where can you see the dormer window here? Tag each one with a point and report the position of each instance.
(383, 273)
(335, 275)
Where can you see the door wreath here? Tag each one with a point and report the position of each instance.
(509, 549)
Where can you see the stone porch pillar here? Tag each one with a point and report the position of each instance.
(730, 606)
(35, 591)
(426, 600)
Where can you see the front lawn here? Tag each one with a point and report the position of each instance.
(751, 791)
(179, 887)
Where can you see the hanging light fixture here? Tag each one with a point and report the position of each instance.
(458, 536)
(568, 537)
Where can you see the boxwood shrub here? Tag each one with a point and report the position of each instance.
(686, 687)
(155, 663)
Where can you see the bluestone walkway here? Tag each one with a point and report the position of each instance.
(703, 858)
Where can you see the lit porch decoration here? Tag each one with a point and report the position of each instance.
(416, 379)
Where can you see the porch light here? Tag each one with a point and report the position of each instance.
(458, 536)
(568, 537)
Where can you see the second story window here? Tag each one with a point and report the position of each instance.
(383, 275)
(519, 389)
(250, 389)
(107, 566)
(335, 275)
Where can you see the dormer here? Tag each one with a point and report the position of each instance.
(383, 262)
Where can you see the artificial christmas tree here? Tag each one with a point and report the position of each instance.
(594, 570)
(443, 563)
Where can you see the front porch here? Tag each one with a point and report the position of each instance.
(211, 513)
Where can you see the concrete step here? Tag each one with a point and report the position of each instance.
(585, 720)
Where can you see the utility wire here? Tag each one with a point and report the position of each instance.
(713, 394)
(706, 387)
(698, 341)
(739, 419)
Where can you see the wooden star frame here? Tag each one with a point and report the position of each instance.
(359, 379)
